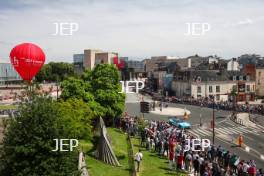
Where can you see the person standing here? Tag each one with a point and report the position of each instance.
(188, 161)
(196, 166)
(240, 140)
(138, 158)
(172, 145)
(180, 159)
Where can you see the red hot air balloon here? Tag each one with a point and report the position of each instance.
(27, 59)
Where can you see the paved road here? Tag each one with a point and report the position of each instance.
(206, 114)
(226, 130)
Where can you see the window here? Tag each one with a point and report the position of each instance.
(217, 88)
(217, 97)
(259, 73)
(248, 88)
(248, 78)
(210, 89)
(199, 90)
(248, 97)
(241, 88)
(241, 78)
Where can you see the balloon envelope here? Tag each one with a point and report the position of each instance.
(27, 59)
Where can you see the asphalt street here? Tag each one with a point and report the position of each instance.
(206, 114)
(226, 130)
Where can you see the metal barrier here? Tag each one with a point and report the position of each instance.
(236, 120)
(130, 152)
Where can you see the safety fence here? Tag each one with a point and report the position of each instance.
(237, 120)
(131, 162)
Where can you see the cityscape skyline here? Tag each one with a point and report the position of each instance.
(137, 29)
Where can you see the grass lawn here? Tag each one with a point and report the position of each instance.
(152, 165)
(5, 107)
(98, 168)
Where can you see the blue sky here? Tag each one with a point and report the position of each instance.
(134, 28)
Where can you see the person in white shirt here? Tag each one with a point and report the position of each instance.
(245, 168)
(138, 158)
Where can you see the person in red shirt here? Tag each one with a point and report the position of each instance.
(172, 145)
(252, 171)
(180, 160)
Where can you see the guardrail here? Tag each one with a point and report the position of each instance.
(131, 162)
(236, 120)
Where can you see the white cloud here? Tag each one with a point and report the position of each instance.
(245, 22)
(137, 28)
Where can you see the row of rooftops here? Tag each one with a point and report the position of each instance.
(211, 75)
(200, 62)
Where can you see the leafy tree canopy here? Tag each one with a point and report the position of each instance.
(100, 88)
(77, 117)
(28, 143)
(76, 88)
(55, 71)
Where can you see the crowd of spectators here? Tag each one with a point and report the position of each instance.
(223, 105)
(169, 142)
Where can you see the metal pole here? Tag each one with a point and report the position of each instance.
(201, 116)
(213, 120)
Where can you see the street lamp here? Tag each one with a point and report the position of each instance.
(213, 122)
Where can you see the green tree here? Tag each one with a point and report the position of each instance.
(28, 143)
(100, 88)
(55, 71)
(87, 75)
(45, 73)
(77, 117)
(106, 90)
(76, 88)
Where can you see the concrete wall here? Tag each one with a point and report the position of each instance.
(180, 88)
(105, 58)
(94, 57)
(89, 58)
(260, 81)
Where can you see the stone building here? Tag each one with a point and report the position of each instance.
(260, 81)
(213, 83)
(90, 58)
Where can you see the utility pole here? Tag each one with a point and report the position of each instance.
(200, 115)
(213, 120)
